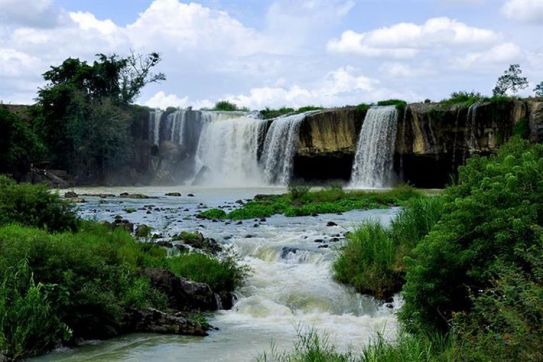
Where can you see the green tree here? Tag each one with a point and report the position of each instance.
(511, 80)
(225, 106)
(84, 115)
(539, 90)
(19, 145)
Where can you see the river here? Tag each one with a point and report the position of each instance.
(290, 286)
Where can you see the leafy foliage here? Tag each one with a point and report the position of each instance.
(83, 114)
(463, 99)
(19, 145)
(372, 260)
(268, 113)
(400, 104)
(301, 202)
(511, 80)
(35, 205)
(226, 106)
(494, 211)
(538, 90)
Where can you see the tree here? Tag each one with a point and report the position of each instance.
(539, 90)
(19, 145)
(225, 106)
(511, 80)
(83, 116)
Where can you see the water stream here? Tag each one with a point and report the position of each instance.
(291, 284)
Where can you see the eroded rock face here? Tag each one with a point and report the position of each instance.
(327, 144)
(155, 321)
(181, 293)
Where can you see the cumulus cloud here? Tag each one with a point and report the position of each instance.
(529, 11)
(406, 40)
(162, 100)
(499, 55)
(37, 13)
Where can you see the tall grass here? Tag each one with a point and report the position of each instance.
(311, 346)
(372, 260)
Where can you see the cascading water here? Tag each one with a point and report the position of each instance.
(373, 163)
(228, 148)
(154, 125)
(280, 147)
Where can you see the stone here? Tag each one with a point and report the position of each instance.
(331, 223)
(155, 321)
(175, 194)
(71, 195)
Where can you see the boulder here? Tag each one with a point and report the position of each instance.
(182, 294)
(155, 321)
(71, 195)
(175, 194)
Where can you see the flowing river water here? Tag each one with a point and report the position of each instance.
(290, 285)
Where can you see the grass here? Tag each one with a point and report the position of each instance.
(311, 346)
(462, 99)
(372, 260)
(302, 202)
(400, 104)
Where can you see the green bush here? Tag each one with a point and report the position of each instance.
(462, 99)
(220, 275)
(35, 205)
(400, 104)
(212, 214)
(494, 211)
(367, 261)
(28, 325)
(372, 260)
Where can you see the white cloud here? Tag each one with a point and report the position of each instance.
(38, 13)
(162, 100)
(530, 11)
(406, 40)
(501, 55)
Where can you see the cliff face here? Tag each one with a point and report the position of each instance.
(432, 140)
(327, 144)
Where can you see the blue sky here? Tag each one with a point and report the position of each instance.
(280, 52)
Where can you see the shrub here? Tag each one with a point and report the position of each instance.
(372, 260)
(367, 261)
(400, 104)
(462, 99)
(212, 214)
(494, 211)
(522, 128)
(220, 275)
(35, 205)
(28, 325)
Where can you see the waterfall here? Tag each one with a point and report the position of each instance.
(470, 139)
(280, 147)
(228, 149)
(177, 125)
(154, 125)
(374, 158)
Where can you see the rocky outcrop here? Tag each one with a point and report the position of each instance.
(327, 144)
(186, 295)
(155, 321)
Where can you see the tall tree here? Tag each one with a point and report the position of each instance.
(539, 90)
(511, 80)
(84, 119)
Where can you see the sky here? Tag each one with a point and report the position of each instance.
(273, 53)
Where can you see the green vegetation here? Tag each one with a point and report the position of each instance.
(372, 260)
(301, 202)
(19, 145)
(220, 275)
(511, 81)
(400, 104)
(82, 281)
(212, 214)
(268, 113)
(522, 128)
(34, 205)
(471, 260)
(462, 99)
(538, 90)
(363, 107)
(312, 347)
(226, 106)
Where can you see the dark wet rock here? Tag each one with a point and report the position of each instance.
(334, 240)
(319, 241)
(143, 231)
(240, 202)
(228, 237)
(390, 306)
(331, 223)
(182, 247)
(190, 195)
(155, 321)
(164, 244)
(127, 195)
(181, 293)
(71, 195)
(255, 225)
(324, 246)
(198, 241)
(314, 214)
(239, 223)
(249, 236)
(288, 250)
(148, 212)
(175, 194)
(263, 219)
